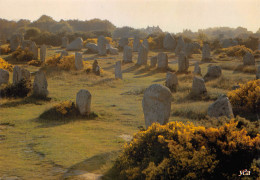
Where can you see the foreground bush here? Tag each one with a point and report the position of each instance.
(21, 89)
(5, 65)
(178, 151)
(22, 55)
(238, 51)
(246, 98)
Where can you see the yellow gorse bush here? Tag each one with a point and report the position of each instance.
(5, 65)
(64, 107)
(179, 151)
(247, 97)
(239, 50)
(64, 63)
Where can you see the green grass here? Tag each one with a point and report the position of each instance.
(35, 149)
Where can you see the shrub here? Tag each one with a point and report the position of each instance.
(5, 65)
(246, 98)
(5, 49)
(36, 63)
(21, 89)
(22, 55)
(90, 40)
(64, 63)
(178, 151)
(53, 60)
(239, 51)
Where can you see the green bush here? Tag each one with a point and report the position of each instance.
(21, 89)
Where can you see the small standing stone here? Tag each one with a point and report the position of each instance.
(197, 69)
(40, 85)
(183, 63)
(127, 56)
(162, 61)
(4, 77)
(206, 53)
(136, 44)
(213, 73)
(102, 44)
(123, 42)
(43, 53)
(180, 45)
(153, 61)
(169, 42)
(248, 59)
(19, 74)
(34, 50)
(142, 55)
(221, 107)
(96, 67)
(118, 72)
(157, 104)
(171, 81)
(146, 44)
(78, 61)
(83, 102)
(65, 42)
(198, 87)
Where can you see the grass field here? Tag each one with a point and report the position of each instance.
(31, 148)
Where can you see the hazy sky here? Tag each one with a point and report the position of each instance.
(170, 15)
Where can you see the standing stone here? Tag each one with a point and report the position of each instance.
(142, 55)
(153, 61)
(96, 67)
(258, 72)
(63, 53)
(221, 107)
(157, 104)
(197, 69)
(15, 42)
(169, 42)
(206, 53)
(213, 73)
(190, 48)
(162, 59)
(83, 102)
(78, 61)
(118, 72)
(146, 44)
(40, 85)
(64, 42)
(180, 45)
(19, 74)
(4, 77)
(34, 50)
(127, 56)
(92, 47)
(123, 42)
(75, 45)
(183, 63)
(136, 44)
(43, 53)
(171, 81)
(112, 51)
(198, 87)
(248, 59)
(102, 44)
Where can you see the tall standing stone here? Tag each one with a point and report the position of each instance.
(221, 107)
(258, 72)
(40, 85)
(136, 44)
(43, 53)
(162, 60)
(118, 72)
(78, 61)
(171, 81)
(183, 63)
(4, 77)
(197, 69)
(34, 50)
(83, 102)
(206, 53)
(64, 42)
(123, 42)
(127, 56)
(157, 104)
(75, 45)
(142, 55)
(180, 45)
(248, 59)
(169, 42)
(102, 44)
(19, 74)
(153, 61)
(198, 87)
(146, 44)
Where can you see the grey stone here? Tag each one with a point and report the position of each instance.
(198, 87)
(26, 44)
(190, 48)
(169, 42)
(40, 85)
(113, 51)
(34, 50)
(78, 61)
(15, 42)
(206, 53)
(142, 55)
(180, 46)
(136, 44)
(43, 53)
(123, 42)
(127, 54)
(183, 63)
(64, 42)
(197, 69)
(162, 60)
(171, 81)
(83, 102)
(221, 107)
(118, 72)
(153, 61)
(75, 45)
(213, 73)
(63, 53)
(19, 74)
(102, 44)
(4, 77)
(146, 44)
(92, 47)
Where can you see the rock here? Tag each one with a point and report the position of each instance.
(19, 74)
(146, 44)
(142, 55)
(75, 45)
(127, 54)
(4, 77)
(169, 42)
(183, 63)
(162, 59)
(153, 61)
(64, 42)
(83, 102)
(15, 42)
(40, 85)
(92, 47)
(190, 48)
(248, 59)
(113, 51)
(198, 87)
(171, 81)
(206, 53)
(258, 72)
(123, 42)
(102, 44)
(96, 67)
(43, 53)
(136, 44)
(118, 72)
(180, 46)
(197, 69)
(34, 50)
(63, 53)
(213, 73)
(221, 107)
(157, 104)
(78, 61)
